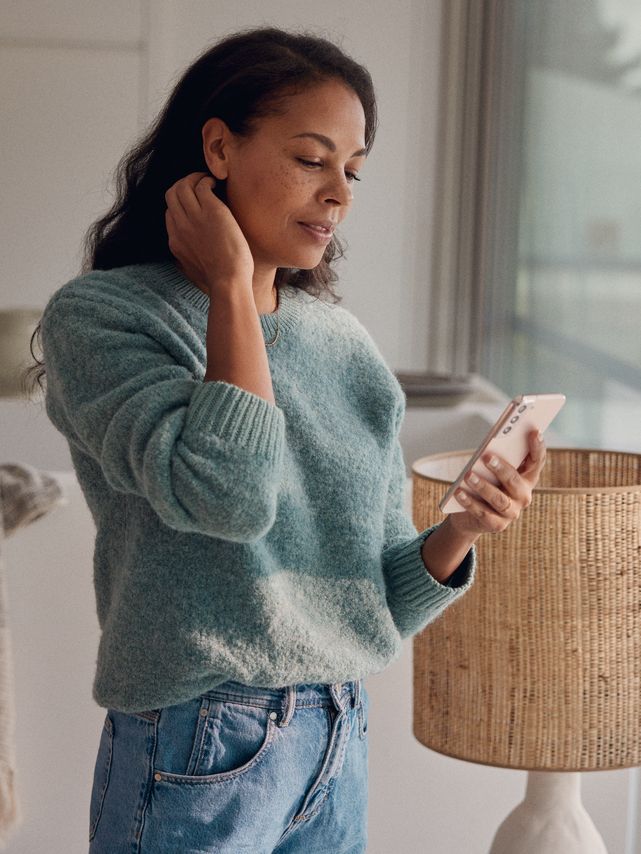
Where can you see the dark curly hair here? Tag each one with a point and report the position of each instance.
(239, 79)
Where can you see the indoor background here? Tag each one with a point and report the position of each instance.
(80, 80)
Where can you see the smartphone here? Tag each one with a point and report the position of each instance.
(508, 439)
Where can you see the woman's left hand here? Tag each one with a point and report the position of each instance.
(490, 508)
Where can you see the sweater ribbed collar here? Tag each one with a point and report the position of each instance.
(290, 301)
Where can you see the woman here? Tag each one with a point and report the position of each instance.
(236, 439)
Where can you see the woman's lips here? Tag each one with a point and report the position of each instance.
(319, 234)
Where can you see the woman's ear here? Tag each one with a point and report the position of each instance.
(216, 138)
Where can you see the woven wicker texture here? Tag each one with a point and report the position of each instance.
(538, 665)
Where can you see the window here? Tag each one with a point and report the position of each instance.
(548, 244)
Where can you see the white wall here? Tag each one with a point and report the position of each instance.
(79, 78)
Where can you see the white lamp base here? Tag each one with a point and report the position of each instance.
(550, 820)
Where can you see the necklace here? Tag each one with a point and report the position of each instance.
(271, 343)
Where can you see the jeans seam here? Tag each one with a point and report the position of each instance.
(148, 715)
(199, 739)
(108, 726)
(146, 787)
(223, 776)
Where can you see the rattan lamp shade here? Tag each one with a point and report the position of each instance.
(538, 666)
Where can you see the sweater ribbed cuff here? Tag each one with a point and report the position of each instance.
(237, 416)
(408, 577)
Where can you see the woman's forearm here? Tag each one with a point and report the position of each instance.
(235, 345)
(444, 551)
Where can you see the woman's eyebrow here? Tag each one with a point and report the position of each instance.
(328, 143)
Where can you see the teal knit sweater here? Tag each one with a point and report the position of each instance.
(235, 539)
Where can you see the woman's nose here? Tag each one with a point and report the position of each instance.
(339, 190)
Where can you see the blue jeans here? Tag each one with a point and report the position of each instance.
(238, 769)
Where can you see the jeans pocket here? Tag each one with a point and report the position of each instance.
(101, 775)
(226, 739)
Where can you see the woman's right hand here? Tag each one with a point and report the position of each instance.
(204, 236)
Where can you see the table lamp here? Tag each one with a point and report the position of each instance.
(538, 666)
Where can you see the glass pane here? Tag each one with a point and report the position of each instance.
(576, 324)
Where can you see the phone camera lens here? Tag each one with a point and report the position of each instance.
(522, 408)
(514, 420)
(507, 429)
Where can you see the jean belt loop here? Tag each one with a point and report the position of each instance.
(335, 689)
(357, 693)
(289, 705)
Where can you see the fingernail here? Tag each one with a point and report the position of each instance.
(539, 437)
(474, 479)
(494, 463)
(462, 497)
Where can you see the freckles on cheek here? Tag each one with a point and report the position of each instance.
(270, 187)
(290, 181)
(279, 191)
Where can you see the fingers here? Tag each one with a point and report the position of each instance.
(183, 195)
(537, 445)
(492, 508)
(178, 206)
(510, 480)
(514, 491)
(485, 520)
(498, 500)
(532, 465)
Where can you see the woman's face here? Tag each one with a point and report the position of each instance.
(280, 178)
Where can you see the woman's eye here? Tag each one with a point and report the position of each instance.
(351, 175)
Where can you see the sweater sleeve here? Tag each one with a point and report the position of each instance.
(414, 596)
(205, 455)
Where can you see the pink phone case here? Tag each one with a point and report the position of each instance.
(508, 439)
